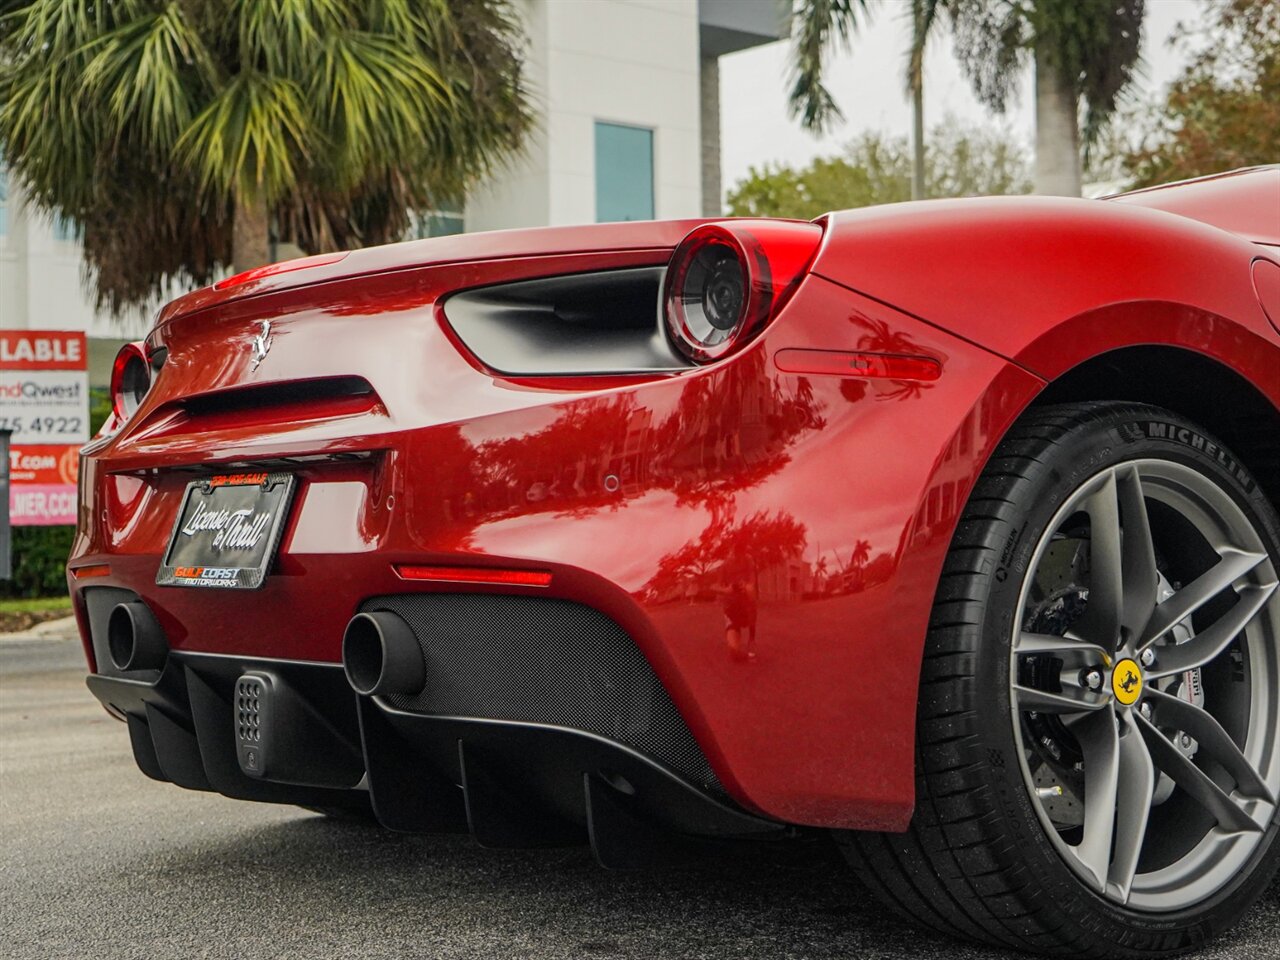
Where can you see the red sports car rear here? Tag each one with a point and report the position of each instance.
(648, 533)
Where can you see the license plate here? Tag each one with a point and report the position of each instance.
(227, 531)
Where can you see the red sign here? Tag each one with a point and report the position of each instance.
(43, 350)
(44, 404)
(43, 464)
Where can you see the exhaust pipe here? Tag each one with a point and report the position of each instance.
(381, 655)
(134, 638)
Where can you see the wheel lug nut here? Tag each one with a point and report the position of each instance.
(1148, 657)
(1145, 710)
(1185, 740)
(1093, 679)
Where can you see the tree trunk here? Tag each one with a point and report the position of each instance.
(250, 234)
(1057, 170)
(917, 108)
(917, 140)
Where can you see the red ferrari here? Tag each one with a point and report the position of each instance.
(948, 527)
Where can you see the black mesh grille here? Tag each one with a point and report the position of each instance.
(249, 693)
(544, 661)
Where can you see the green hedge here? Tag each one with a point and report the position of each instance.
(39, 562)
(40, 553)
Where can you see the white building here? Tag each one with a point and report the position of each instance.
(628, 129)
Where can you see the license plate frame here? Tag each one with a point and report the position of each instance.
(240, 515)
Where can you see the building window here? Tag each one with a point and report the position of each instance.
(66, 230)
(624, 173)
(445, 222)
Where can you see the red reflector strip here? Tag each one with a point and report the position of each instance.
(872, 366)
(271, 269)
(510, 578)
(95, 570)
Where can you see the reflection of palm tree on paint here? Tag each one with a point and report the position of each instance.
(881, 338)
(727, 552)
(855, 570)
(820, 574)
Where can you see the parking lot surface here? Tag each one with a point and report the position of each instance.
(97, 861)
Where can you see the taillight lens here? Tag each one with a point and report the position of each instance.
(726, 281)
(130, 380)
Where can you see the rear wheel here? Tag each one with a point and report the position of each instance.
(1098, 733)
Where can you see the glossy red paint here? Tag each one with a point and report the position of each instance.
(835, 496)
(1091, 277)
(1245, 202)
(285, 266)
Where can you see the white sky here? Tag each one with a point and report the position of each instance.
(868, 85)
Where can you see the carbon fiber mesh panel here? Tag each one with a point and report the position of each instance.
(544, 661)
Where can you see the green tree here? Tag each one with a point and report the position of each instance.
(818, 26)
(959, 162)
(178, 133)
(1223, 111)
(1084, 53)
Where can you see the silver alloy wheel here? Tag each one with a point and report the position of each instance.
(1110, 675)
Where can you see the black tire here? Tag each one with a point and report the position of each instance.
(976, 861)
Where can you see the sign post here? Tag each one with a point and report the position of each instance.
(44, 405)
(6, 538)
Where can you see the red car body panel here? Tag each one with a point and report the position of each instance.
(1244, 202)
(1090, 277)
(624, 488)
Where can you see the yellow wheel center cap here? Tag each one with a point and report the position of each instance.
(1126, 682)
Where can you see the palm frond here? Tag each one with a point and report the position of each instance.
(817, 27)
(145, 77)
(926, 19)
(250, 138)
(992, 42)
(374, 98)
(145, 119)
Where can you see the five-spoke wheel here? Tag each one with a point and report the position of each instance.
(1141, 656)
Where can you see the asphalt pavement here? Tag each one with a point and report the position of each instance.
(97, 861)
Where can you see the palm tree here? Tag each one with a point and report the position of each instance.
(817, 26)
(178, 134)
(1083, 52)
(924, 16)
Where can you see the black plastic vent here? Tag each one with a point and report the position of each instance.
(585, 324)
(547, 661)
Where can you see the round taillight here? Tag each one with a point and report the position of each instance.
(726, 281)
(130, 380)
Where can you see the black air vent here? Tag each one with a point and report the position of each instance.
(264, 396)
(587, 324)
(542, 660)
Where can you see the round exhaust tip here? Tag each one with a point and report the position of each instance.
(134, 638)
(381, 655)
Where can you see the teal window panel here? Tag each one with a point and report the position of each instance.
(624, 173)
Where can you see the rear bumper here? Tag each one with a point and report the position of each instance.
(769, 542)
(511, 784)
